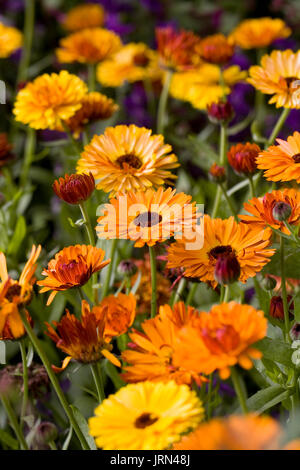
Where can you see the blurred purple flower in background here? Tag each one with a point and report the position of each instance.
(136, 104)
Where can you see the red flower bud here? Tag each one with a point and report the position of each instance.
(74, 188)
(242, 158)
(227, 269)
(282, 211)
(217, 173)
(220, 112)
(276, 307)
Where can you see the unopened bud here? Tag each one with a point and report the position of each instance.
(227, 269)
(217, 173)
(276, 307)
(220, 112)
(268, 283)
(282, 211)
(46, 432)
(295, 332)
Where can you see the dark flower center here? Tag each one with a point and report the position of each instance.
(144, 420)
(296, 158)
(290, 82)
(129, 160)
(221, 251)
(141, 60)
(147, 219)
(13, 291)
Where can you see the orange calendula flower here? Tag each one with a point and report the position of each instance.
(249, 432)
(281, 162)
(262, 210)
(74, 189)
(119, 313)
(6, 154)
(133, 62)
(83, 340)
(11, 39)
(216, 49)
(278, 75)
(202, 86)
(84, 16)
(49, 100)
(242, 158)
(259, 32)
(15, 295)
(88, 46)
(72, 267)
(176, 49)
(127, 158)
(226, 244)
(94, 107)
(147, 217)
(151, 357)
(221, 339)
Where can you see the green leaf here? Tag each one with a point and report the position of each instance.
(291, 262)
(82, 423)
(18, 236)
(267, 398)
(113, 374)
(8, 440)
(30, 354)
(2, 352)
(68, 439)
(297, 308)
(275, 350)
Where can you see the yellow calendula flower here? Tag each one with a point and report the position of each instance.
(259, 32)
(84, 16)
(90, 45)
(145, 416)
(49, 100)
(126, 158)
(132, 63)
(278, 75)
(10, 40)
(202, 86)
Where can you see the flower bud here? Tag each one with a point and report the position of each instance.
(276, 307)
(295, 332)
(268, 283)
(46, 432)
(75, 188)
(220, 112)
(242, 158)
(217, 173)
(126, 268)
(227, 269)
(281, 211)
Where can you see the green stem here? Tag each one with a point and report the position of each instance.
(25, 380)
(278, 126)
(162, 105)
(98, 379)
(222, 152)
(238, 389)
(283, 292)
(87, 223)
(153, 281)
(28, 157)
(229, 202)
(91, 77)
(52, 445)
(81, 295)
(251, 184)
(226, 294)
(14, 422)
(39, 349)
(191, 293)
(179, 291)
(76, 145)
(112, 255)
(28, 37)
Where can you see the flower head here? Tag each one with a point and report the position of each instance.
(6, 154)
(176, 49)
(16, 294)
(133, 62)
(281, 162)
(259, 32)
(127, 158)
(147, 217)
(249, 432)
(221, 339)
(222, 239)
(151, 357)
(276, 307)
(10, 40)
(49, 99)
(278, 75)
(89, 15)
(217, 173)
(94, 107)
(119, 313)
(72, 267)
(216, 49)
(83, 340)
(150, 416)
(242, 158)
(261, 210)
(89, 46)
(202, 87)
(74, 189)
